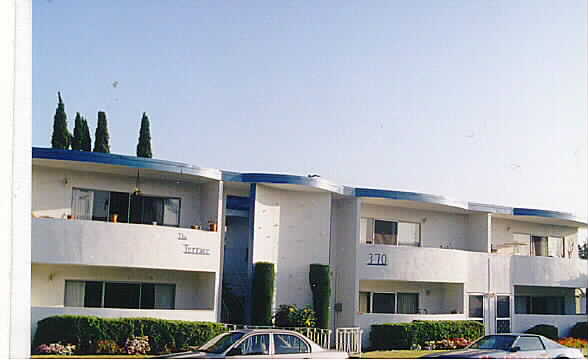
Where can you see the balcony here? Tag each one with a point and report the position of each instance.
(86, 242)
(549, 271)
(385, 262)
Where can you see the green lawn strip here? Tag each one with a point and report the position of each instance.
(92, 356)
(397, 354)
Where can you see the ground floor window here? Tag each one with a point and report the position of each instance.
(476, 306)
(125, 295)
(542, 305)
(388, 303)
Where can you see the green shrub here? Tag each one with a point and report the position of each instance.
(292, 316)
(404, 335)
(320, 284)
(546, 330)
(86, 332)
(580, 330)
(263, 294)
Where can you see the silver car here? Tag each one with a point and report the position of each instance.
(259, 344)
(512, 346)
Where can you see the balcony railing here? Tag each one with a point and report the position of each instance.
(85, 242)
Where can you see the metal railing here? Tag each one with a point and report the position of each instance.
(348, 340)
(320, 336)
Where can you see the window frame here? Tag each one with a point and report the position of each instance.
(418, 297)
(140, 283)
(372, 293)
(308, 347)
(483, 296)
(516, 343)
(398, 221)
(546, 236)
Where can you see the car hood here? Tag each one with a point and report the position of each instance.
(468, 354)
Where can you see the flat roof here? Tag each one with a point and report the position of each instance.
(312, 182)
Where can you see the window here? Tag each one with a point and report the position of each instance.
(289, 344)
(476, 306)
(155, 210)
(253, 345)
(385, 232)
(408, 303)
(365, 302)
(533, 245)
(538, 245)
(555, 247)
(409, 234)
(503, 306)
(106, 205)
(383, 303)
(529, 343)
(119, 295)
(540, 305)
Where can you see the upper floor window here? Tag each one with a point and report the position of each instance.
(386, 232)
(122, 207)
(533, 245)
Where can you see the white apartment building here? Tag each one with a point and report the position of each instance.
(119, 235)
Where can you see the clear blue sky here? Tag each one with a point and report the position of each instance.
(476, 100)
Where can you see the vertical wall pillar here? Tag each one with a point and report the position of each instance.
(15, 185)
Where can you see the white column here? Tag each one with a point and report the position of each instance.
(15, 182)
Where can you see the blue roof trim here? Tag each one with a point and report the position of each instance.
(412, 196)
(545, 213)
(315, 182)
(124, 160)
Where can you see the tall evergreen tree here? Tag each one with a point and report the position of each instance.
(144, 145)
(78, 133)
(101, 141)
(86, 139)
(61, 137)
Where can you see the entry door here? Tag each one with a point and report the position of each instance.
(503, 311)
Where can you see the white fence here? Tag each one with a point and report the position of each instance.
(320, 336)
(348, 340)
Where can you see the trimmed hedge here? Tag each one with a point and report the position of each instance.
(320, 284)
(404, 335)
(546, 330)
(86, 331)
(263, 294)
(580, 330)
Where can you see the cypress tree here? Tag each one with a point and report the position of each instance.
(144, 145)
(263, 293)
(61, 137)
(101, 141)
(86, 139)
(320, 285)
(76, 142)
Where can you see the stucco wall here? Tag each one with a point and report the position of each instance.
(345, 226)
(194, 290)
(478, 232)
(292, 230)
(52, 192)
(564, 323)
(438, 229)
(86, 242)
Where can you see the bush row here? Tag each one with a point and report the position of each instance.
(85, 332)
(404, 335)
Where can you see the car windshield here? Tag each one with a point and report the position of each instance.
(221, 343)
(499, 342)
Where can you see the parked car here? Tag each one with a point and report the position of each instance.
(512, 346)
(259, 344)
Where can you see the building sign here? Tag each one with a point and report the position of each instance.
(190, 250)
(378, 259)
(195, 250)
